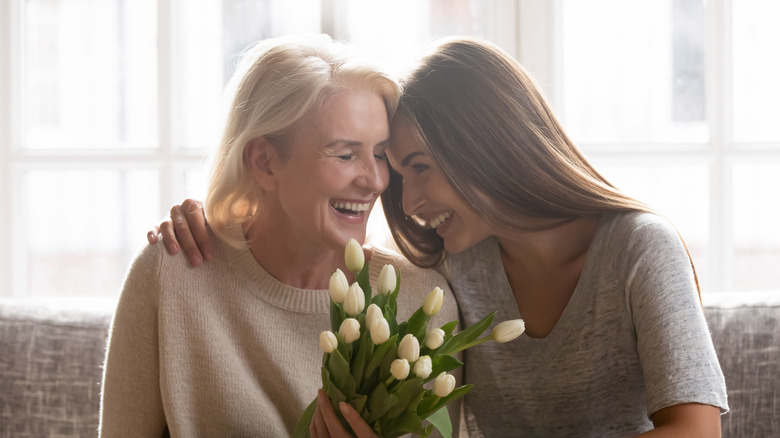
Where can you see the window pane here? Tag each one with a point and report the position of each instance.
(101, 219)
(755, 70)
(412, 24)
(756, 234)
(634, 71)
(89, 73)
(208, 37)
(679, 192)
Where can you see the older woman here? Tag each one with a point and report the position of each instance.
(231, 349)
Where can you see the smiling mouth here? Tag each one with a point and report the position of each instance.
(440, 219)
(351, 208)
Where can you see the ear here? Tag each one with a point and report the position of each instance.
(261, 158)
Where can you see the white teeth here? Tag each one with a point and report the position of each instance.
(438, 220)
(351, 206)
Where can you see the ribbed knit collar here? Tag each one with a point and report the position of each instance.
(274, 292)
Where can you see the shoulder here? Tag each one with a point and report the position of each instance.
(637, 231)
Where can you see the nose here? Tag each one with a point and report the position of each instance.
(375, 175)
(412, 198)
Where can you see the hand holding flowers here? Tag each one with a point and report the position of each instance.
(380, 367)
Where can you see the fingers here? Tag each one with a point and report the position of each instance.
(196, 219)
(178, 233)
(317, 429)
(361, 428)
(326, 424)
(152, 236)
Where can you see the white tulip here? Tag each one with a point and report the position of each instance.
(409, 348)
(355, 300)
(338, 286)
(444, 384)
(380, 331)
(433, 302)
(434, 338)
(350, 330)
(400, 369)
(353, 256)
(387, 280)
(508, 330)
(328, 341)
(372, 314)
(423, 367)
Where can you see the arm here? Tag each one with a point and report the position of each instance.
(131, 400)
(682, 375)
(186, 228)
(689, 420)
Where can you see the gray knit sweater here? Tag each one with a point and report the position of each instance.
(632, 340)
(224, 349)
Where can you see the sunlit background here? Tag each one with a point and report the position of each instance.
(109, 109)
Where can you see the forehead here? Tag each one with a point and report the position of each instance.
(403, 142)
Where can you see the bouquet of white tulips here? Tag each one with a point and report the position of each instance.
(380, 366)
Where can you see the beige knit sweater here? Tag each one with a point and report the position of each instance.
(224, 349)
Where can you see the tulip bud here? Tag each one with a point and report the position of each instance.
(355, 300)
(508, 330)
(387, 280)
(353, 256)
(433, 302)
(444, 384)
(372, 314)
(400, 369)
(380, 331)
(434, 338)
(328, 341)
(338, 286)
(423, 367)
(409, 348)
(350, 330)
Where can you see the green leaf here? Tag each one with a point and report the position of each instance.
(362, 356)
(443, 363)
(441, 421)
(430, 405)
(407, 391)
(302, 427)
(449, 327)
(407, 422)
(379, 402)
(418, 324)
(359, 402)
(340, 374)
(363, 280)
(464, 337)
(336, 316)
(378, 356)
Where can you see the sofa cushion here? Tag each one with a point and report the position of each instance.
(50, 367)
(745, 329)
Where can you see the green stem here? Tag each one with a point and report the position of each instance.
(472, 343)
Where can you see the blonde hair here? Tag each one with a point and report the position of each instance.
(479, 116)
(277, 86)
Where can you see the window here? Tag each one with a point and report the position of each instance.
(109, 108)
(674, 102)
(108, 111)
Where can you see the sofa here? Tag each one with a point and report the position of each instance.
(51, 354)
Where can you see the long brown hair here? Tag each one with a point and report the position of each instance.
(484, 122)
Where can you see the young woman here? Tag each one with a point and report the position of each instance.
(488, 188)
(232, 348)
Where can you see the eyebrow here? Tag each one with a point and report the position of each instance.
(383, 143)
(408, 158)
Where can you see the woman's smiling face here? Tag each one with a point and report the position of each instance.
(334, 170)
(428, 195)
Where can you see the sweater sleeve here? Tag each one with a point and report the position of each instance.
(131, 402)
(676, 352)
